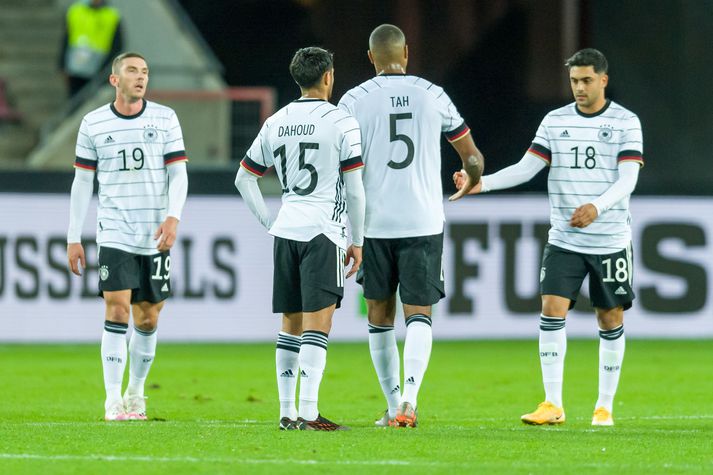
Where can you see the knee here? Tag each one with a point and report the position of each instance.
(117, 312)
(381, 312)
(147, 321)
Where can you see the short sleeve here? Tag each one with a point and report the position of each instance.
(346, 103)
(452, 124)
(258, 158)
(85, 152)
(350, 149)
(632, 143)
(173, 149)
(540, 146)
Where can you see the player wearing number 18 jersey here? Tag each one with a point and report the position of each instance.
(594, 150)
(316, 151)
(402, 118)
(135, 147)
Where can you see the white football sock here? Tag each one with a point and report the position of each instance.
(611, 355)
(385, 356)
(287, 364)
(142, 351)
(417, 353)
(113, 353)
(313, 359)
(553, 347)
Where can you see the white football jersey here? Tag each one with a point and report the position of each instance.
(401, 119)
(310, 142)
(130, 155)
(583, 152)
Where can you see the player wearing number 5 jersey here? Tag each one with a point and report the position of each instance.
(316, 151)
(594, 149)
(135, 147)
(402, 118)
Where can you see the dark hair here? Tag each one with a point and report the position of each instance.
(589, 57)
(309, 64)
(116, 64)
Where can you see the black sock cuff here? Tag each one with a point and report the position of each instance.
(613, 334)
(380, 328)
(116, 327)
(418, 317)
(288, 342)
(550, 324)
(145, 332)
(315, 338)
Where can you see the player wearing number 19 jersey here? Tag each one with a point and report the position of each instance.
(135, 147)
(402, 118)
(315, 149)
(594, 150)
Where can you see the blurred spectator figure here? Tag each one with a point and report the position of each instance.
(92, 38)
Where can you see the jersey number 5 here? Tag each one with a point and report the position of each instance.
(313, 177)
(401, 137)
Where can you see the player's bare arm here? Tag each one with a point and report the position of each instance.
(584, 216)
(473, 164)
(354, 255)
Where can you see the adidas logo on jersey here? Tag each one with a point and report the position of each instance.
(109, 140)
(564, 134)
(410, 380)
(287, 374)
(620, 291)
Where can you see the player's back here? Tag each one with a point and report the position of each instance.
(310, 142)
(401, 119)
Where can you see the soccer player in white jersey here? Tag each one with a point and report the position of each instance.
(316, 151)
(594, 150)
(401, 118)
(135, 147)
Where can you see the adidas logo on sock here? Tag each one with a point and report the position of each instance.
(303, 374)
(287, 374)
(620, 291)
(564, 134)
(396, 389)
(109, 140)
(410, 380)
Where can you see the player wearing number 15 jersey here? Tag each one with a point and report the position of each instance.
(316, 151)
(402, 118)
(135, 147)
(594, 149)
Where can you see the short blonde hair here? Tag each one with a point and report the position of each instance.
(116, 64)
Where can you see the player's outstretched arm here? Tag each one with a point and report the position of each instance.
(80, 197)
(517, 174)
(246, 183)
(473, 164)
(356, 209)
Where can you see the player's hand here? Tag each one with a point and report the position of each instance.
(461, 179)
(166, 234)
(353, 253)
(75, 252)
(583, 216)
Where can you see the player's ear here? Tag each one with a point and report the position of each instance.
(605, 80)
(114, 79)
(371, 58)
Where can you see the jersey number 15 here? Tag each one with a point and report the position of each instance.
(282, 153)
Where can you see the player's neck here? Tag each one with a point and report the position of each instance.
(594, 108)
(126, 107)
(393, 68)
(315, 94)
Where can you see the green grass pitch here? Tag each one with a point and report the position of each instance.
(213, 410)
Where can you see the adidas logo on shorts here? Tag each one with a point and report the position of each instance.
(621, 291)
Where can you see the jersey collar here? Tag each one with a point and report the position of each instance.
(593, 114)
(123, 116)
(308, 99)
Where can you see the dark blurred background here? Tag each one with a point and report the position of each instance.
(501, 61)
